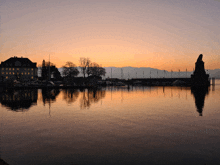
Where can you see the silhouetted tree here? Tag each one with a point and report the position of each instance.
(95, 69)
(44, 73)
(70, 70)
(45, 70)
(55, 72)
(84, 64)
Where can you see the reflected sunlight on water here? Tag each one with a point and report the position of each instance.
(142, 125)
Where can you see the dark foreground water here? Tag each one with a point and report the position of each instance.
(143, 125)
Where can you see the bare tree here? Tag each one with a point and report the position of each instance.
(70, 70)
(84, 64)
(95, 69)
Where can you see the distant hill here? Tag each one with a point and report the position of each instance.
(132, 72)
(146, 72)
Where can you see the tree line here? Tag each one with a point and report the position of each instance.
(70, 70)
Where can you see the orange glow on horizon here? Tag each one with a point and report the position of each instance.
(156, 34)
(152, 60)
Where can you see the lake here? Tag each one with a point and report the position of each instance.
(140, 125)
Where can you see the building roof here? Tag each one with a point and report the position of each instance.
(18, 62)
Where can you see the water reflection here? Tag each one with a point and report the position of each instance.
(199, 95)
(49, 95)
(91, 96)
(19, 100)
(22, 100)
(70, 95)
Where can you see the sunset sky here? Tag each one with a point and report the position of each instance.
(163, 34)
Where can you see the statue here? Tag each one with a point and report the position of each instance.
(199, 76)
(200, 58)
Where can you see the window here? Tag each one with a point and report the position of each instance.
(9, 68)
(25, 73)
(6, 72)
(3, 72)
(13, 72)
(13, 68)
(6, 68)
(17, 68)
(22, 73)
(32, 77)
(28, 68)
(3, 68)
(6, 77)
(32, 69)
(9, 72)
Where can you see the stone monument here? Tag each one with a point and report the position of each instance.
(199, 76)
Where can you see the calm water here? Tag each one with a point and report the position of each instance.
(143, 125)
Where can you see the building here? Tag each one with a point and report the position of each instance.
(18, 68)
